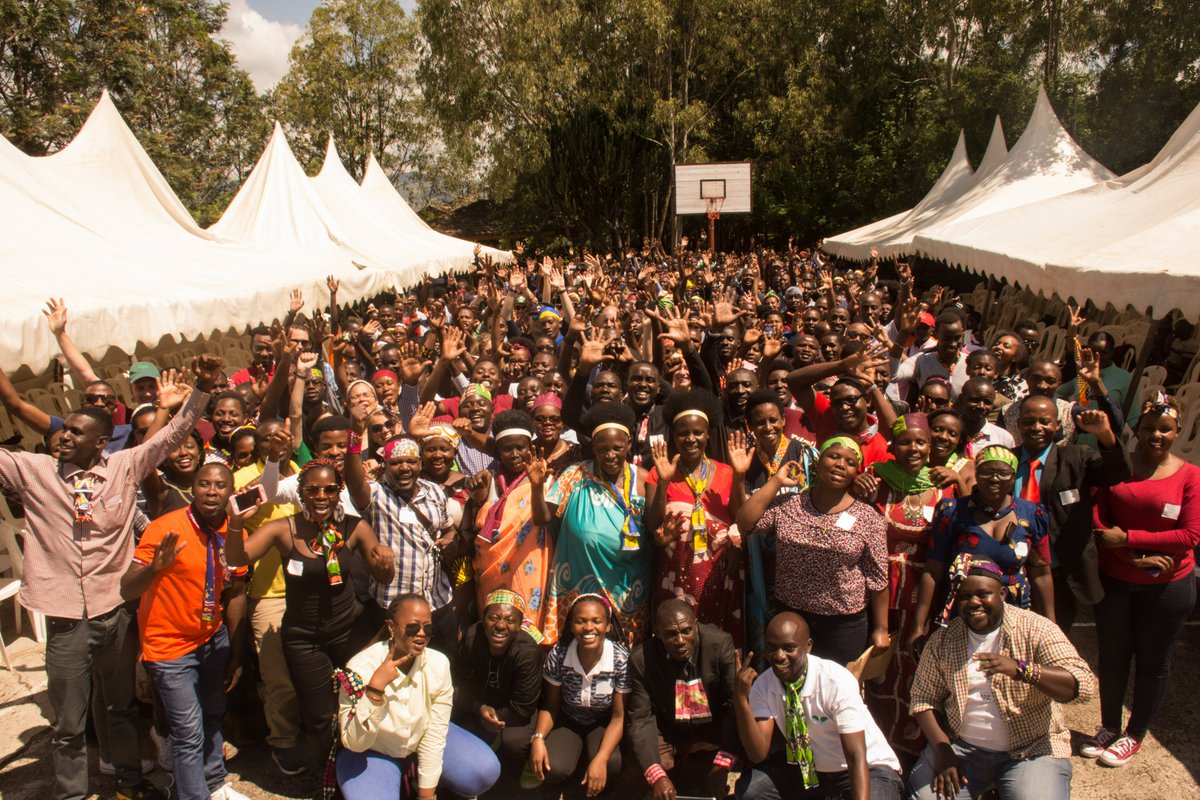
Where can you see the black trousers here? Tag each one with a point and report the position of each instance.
(1139, 623)
(567, 742)
(841, 638)
(311, 658)
(76, 650)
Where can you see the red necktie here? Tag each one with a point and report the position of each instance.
(1030, 490)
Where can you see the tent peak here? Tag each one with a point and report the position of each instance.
(996, 152)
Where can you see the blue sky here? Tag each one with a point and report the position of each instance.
(294, 11)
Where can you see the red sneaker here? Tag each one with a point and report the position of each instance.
(1120, 752)
(1096, 745)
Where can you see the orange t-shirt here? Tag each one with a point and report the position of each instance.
(169, 618)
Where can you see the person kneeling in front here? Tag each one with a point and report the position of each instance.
(998, 673)
(804, 727)
(398, 741)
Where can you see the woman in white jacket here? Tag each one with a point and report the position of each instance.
(394, 702)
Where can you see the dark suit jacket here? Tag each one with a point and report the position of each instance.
(651, 705)
(1070, 470)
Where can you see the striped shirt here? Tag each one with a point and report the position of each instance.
(396, 520)
(587, 697)
(1035, 723)
(73, 569)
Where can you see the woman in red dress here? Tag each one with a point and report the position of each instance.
(699, 558)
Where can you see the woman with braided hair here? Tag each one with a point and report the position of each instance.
(321, 606)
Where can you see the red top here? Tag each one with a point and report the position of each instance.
(250, 373)
(1161, 516)
(874, 445)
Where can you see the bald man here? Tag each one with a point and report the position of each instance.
(680, 716)
(804, 727)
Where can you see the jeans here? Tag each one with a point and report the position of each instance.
(1139, 622)
(469, 768)
(107, 648)
(192, 688)
(1038, 778)
(775, 779)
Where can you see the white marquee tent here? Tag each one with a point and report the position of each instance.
(97, 224)
(893, 235)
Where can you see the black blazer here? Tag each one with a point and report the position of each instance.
(1070, 474)
(651, 705)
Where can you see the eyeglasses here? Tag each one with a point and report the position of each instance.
(329, 491)
(413, 628)
(846, 401)
(106, 399)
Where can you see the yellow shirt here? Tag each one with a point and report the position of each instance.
(267, 580)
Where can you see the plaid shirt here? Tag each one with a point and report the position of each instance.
(397, 522)
(1035, 722)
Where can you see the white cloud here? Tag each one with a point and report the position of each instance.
(261, 45)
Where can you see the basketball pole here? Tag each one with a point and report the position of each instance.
(712, 234)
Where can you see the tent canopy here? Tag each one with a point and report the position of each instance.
(97, 224)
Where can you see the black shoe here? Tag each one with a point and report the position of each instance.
(290, 762)
(142, 791)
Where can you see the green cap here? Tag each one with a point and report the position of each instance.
(143, 369)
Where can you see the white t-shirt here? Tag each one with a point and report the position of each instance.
(834, 706)
(982, 724)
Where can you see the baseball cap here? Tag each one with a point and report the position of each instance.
(925, 318)
(143, 369)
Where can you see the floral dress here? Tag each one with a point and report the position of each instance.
(955, 532)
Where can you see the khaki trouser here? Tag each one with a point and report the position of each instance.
(279, 698)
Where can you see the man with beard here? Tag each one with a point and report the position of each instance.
(998, 674)
(681, 705)
(193, 658)
(409, 515)
(805, 728)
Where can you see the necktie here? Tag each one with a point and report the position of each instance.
(1030, 490)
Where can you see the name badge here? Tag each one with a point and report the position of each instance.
(1068, 497)
(927, 513)
(295, 567)
(1170, 511)
(406, 515)
(845, 520)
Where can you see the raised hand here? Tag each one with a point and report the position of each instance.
(1089, 366)
(333, 284)
(789, 475)
(166, 551)
(172, 391)
(537, 469)
(667, 466)
(411, 365)
(305, 362)
(591, 351)
(726, 313)
(479, 486)
(295, 301)
(772, 345)
(746, 674)
(741, 452)
(382, 563)
(56, 316)
(453, 343)
(1077, 319)
(862, 365)
(421, 419)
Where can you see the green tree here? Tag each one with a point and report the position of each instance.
(353, 75)
(178, 86)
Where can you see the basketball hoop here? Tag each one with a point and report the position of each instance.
(713, 207)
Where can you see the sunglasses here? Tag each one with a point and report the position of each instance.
(846, 401)
(331, 491)
(413, 628)
(380, 427)
(106, 399)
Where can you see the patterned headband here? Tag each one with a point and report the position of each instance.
(505, 597)
(996, 452)
(1161, 405)
(401, 448)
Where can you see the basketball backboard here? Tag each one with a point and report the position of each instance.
(696, 184)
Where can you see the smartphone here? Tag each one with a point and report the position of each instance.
(245, 501)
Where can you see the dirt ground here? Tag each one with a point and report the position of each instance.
(1168, 767)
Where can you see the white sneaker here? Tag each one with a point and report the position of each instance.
(108, 769)
(227, 792)
(163, 746)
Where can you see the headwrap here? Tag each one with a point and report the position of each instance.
(354, 383)
(914, 420)
(795, 729)
(996, 452)
(316, 373)
(505, 597)
(549, 312)
(477, 389)
(770, 293)
(965, 565)
(548, 399)
(443, 430)
(384, 373)
(400, 447)
(1161, 404)
(842, 441)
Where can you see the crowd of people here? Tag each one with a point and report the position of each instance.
(581, 518)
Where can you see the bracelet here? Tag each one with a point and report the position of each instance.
(354, 443)
(1028, 672)
(654, 772)
(537, 735)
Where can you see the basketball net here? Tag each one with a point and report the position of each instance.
(713, 206)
